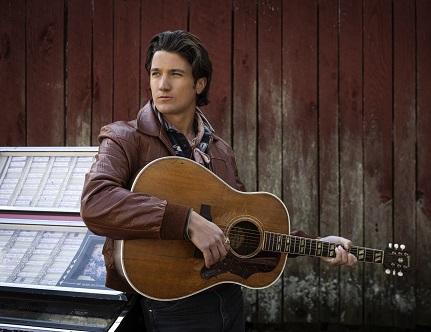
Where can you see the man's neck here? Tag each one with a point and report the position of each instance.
(184, 123)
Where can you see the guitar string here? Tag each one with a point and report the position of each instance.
(255, 233)
(310, 244)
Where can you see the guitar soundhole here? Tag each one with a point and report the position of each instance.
(244, 238)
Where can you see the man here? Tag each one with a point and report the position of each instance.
(170, 124)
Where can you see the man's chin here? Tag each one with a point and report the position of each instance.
(163, 108)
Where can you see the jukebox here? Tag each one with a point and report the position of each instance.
(51, 266)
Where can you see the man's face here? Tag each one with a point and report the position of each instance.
(172, 85)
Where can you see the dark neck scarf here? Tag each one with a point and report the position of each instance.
(196, 148)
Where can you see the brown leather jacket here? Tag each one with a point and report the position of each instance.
(110, 209)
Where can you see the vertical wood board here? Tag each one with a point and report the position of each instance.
(244, 89)
(102, 67)
(12, 74)
(300, 152)
(351, 155)
(404, 154)
(204, 16)
(422, 262)
(378, 160)
(269, 130)
(328, 151)
(78, 67)
(45, 73)
(127, 22)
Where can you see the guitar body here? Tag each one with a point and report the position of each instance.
(174, 269)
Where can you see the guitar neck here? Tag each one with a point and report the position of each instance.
(297, 245)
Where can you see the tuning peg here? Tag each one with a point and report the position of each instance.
(390, 245)
(403, 247)
(400, 273)
(388, 271)
(396, 246)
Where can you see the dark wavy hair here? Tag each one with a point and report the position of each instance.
(190, 48)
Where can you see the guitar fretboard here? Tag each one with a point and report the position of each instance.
(297, 245)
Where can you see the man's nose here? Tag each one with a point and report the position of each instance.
(164, 83)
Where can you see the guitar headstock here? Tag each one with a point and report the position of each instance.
(396, 260)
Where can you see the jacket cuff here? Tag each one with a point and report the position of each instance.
(174, 222)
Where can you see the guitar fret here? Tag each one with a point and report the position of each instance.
(296, 245)
(377, 257)
(312, 247)
(293, 251)
(302, 246)
(287, 244)
(319, 251)
(279, 240)
(271, 241)
(361, 254)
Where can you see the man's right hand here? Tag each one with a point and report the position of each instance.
(208, 238)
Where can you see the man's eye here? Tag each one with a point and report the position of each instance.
(154, 73)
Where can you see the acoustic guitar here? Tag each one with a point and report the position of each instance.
(257, 224)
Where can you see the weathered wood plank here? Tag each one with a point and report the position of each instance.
(102, 67)
(78, 68)
(270, 128)
(351, 155)
(423, 203)
(378, 160)
(126, 59)
(204, 17)
(244, 92)
(12, 73)
(389, 132)
(328, 151)
(300, 152)
(45, 73)
(164, 15)
(404, 153)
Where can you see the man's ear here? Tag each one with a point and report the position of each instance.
(201, 84)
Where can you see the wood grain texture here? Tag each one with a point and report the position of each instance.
(204, 16)
(404, 140)
(423, 199)
(378, 158)
(300, 151)
(79, 76)
(325, 102)
(244, 100)
(45, 78)
(351, 154)
(12, 74)
(126, 81)
(269, 129)
(329, 158)
(244, 103)
(102, 67)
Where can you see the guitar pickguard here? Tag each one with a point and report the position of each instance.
(244, 268)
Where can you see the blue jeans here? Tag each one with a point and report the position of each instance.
(218, 309)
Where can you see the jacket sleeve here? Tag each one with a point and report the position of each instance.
(110, 209)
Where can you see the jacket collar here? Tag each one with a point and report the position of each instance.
(147, 121)
(149, 124)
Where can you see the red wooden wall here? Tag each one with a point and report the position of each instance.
(326, 103)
